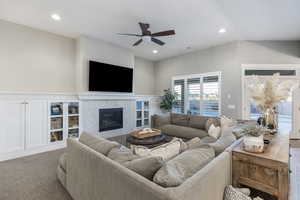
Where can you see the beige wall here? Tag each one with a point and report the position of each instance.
(228, 59)
(97, 50)
(144, 77)
(35, 61)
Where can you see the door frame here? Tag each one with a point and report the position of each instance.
(245, 67)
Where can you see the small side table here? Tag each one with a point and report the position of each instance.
(268, 171)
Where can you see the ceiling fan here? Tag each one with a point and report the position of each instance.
(148, 36)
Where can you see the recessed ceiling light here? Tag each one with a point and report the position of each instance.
(155, 51)
(56, 17)
(222, 30)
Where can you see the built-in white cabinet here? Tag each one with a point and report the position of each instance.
(12, 128)
(36, 123)
(142, 113)
(64, 121)
(31, 126)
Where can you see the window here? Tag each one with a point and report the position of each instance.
(197, 94)
(179, 92)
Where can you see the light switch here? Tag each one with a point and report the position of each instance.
(229, 96)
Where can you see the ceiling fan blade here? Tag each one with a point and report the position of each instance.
(163, 33)
(144, 28)
(129, 34)
(157, 41)
(138, 42)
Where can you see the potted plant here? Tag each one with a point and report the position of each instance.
(168, 100)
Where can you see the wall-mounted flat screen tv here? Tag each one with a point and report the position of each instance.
(105, 77)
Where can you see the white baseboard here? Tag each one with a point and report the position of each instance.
(14, 155)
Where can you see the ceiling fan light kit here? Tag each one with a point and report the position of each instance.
(147, 36)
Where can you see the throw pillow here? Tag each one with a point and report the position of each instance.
(232, 194)
(214, 131)
(165, 151)
(226, 139)
(176, 171)
(98, 144)
(197, 121)
(121, 154)
(146, 166)
(212, 120)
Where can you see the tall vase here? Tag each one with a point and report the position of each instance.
(270, 117)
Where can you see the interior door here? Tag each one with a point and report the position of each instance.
(12, 128)
(36, 123)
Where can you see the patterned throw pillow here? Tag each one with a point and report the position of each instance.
(232, 194)
(165, 151)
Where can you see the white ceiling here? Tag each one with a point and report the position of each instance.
(196, 21)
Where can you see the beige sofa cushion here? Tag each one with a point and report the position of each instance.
(98, 144)
(183, 166)
(182, 132)
(197, 121)
(61, 176)
(121, 154)
(179, 119)
(158, 121)
(226, 139)
(63, 161)
(146, 166)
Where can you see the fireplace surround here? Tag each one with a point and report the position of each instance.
(110, 119)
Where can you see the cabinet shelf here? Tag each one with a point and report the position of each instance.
(54, 116)
(63, 121)
(72, 128)
(56, 130)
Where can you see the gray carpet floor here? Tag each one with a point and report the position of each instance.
(32, 178)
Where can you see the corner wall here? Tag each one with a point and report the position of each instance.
(228, 59)
(144, 77)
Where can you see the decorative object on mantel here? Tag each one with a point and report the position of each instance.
(267, 94)
(254, 139)
(145, 133)
(168, 100)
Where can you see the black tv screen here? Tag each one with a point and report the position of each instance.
(110, 78)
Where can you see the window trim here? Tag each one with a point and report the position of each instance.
(190, 76)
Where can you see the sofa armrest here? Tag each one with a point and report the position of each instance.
(158, 121)
(207, 184)
(93, 176)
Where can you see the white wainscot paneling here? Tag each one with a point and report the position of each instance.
(12, 114)
(36, 124)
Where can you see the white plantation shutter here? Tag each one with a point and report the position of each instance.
(194, 95)
(197, 94)
(210, 96)
(179, 91)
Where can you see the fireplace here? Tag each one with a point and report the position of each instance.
(110, 119)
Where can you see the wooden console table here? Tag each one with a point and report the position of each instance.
(268, 171)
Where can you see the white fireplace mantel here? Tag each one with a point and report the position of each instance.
(97, 96)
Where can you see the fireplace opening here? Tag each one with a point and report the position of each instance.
(110, 119)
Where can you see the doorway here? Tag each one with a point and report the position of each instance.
(284, 109)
